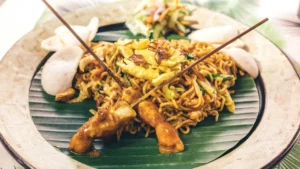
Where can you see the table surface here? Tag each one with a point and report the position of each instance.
(284, 31)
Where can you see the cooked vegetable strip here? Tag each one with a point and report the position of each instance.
(165, 76)
(208, 88)
(229, 102)
(127, 79)
(168, 139)
(224, 77)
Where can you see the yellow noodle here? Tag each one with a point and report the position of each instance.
(188, 97)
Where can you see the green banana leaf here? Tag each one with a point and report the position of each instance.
(291, 160)
(57, 122)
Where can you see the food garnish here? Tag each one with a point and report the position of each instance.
(157, 18)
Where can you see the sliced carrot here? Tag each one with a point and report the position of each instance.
(188, 22)
(180, 33)
(163, 15)
(149, 19)
(97, 71)
(148, 25)
(179, 6)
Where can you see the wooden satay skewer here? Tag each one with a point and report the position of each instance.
(197, 61)
(85, 46)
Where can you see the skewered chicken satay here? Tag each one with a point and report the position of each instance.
(130, 95)
(105, 122)
(168, 139)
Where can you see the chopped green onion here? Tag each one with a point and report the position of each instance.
(127, 79)
(100, 88)
(189, 56)
(224, 77)
(117, 67)
(202, 89)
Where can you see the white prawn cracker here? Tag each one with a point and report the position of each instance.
(217, 35)
(60, 69)
(244, 61)
(63, 37)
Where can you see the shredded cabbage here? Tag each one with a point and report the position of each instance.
(157, 18)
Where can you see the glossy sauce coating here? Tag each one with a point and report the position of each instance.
(104, 123)
(168, 139)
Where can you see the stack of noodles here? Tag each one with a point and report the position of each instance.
(144, 64)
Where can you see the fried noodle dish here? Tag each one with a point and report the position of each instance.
(144, 64)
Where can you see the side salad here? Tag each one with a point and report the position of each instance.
(156, 18)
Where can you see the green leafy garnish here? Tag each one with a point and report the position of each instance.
(176, 37)
(132, 36)
(189, 56)
(224, 77)
(127, 79)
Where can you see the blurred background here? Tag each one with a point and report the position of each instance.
(18, 17)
